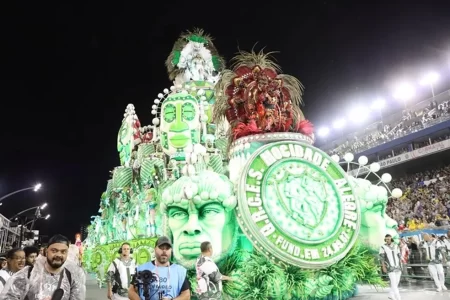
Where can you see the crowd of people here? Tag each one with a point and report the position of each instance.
(426, 201)
(54, 272)
(47, 273)
(410, 122)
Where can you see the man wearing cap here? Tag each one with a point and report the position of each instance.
(50, 276)
(169, 281)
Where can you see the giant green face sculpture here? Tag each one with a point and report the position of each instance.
(198, 209)
(375, 223)
(180, 124)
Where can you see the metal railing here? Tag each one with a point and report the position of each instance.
(417, 266)
(8, 234)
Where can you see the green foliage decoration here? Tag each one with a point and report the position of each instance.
(255, 277)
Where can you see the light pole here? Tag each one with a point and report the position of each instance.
(35, 219)
(404, 92)
(23, 219)
(379, 104)
(323, 132)
(38, 211)
(35, 188)
(339, 124)
(430, 79)
(358, 114)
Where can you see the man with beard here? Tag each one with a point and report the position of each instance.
(49, 276)
(168, 281)
(15, 259)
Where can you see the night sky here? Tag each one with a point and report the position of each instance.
(69, 71)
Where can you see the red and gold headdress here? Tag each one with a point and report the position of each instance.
(255, 98)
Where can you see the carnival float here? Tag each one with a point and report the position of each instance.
(229, 158)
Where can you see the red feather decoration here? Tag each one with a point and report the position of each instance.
(243, 129)
(305, 127)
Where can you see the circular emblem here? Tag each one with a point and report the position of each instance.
(296, 205)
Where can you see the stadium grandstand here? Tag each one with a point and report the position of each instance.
(413, 146)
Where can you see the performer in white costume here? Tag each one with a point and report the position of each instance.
(73, 255)
(391, 264)
(120, 273)
(436, 255)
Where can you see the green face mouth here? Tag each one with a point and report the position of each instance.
(179, 141)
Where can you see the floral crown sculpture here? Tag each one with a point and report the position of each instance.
(255, 98)
(191, 50)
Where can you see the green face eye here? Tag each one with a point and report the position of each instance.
(188, 111)
(169, 113)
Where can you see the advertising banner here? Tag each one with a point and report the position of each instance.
(398, 159)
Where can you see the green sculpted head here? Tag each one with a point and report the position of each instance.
(180, 123)
(375, 223)
(198, 209)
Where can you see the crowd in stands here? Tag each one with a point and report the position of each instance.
(410, 122)
(425, 202)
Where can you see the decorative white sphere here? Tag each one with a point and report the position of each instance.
(203, 98)
(335, 157)
(386, 177)
(155, 121)
(157, 101)
(396, 193)
(375, 167)
(200, 92)
(193, 88)
(348, 157)
(172, 88)
(160, 95)
(153, 112)
(363, 160)
(166, 91)
(154, 106)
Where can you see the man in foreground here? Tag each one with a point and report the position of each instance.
(168, 281)
(208, 275)
(391, 265)
(120, 273)
(50, 276)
